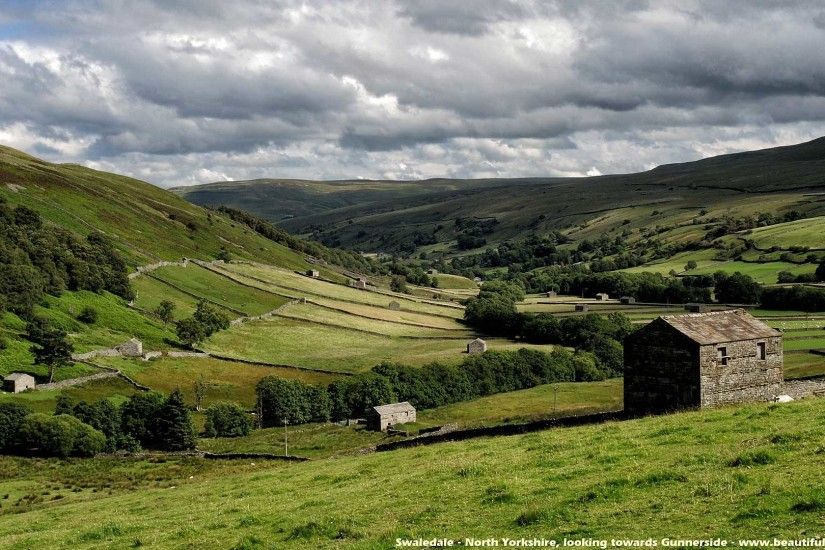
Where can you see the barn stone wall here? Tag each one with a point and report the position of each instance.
(661, 371)
(745, 377)
(382, 422)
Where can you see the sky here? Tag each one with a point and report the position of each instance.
(180, 92)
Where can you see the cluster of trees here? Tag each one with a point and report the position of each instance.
(148, 420)
(471, 231)
(38, 259)
(425, 387)
(414, 275)
(205, 322)
(727, 224)
(227, 420)
(797, 297)
(266, 229)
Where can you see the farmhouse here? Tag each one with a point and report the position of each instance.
(394, 306)
(602, 296)
(386, 416)
(477, 346)
(701, 360)
(314, 273)
(18, 382)
(582, 307)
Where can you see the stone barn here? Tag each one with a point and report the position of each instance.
(394, 306)
(701, 360)
(477, 346)
(360, 283)
(314, 273)
(550, 293)
(582, 307)
(132, 348)
(602, 296)
(696, 308)
(432, 271)
(18, 382)
(627, 300)
(386, 416)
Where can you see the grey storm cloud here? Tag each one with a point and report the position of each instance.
(190, 91)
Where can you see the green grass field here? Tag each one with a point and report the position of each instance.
(300, 343)
(804, 232)
(740, 472)
(114, 389)
(448, 282)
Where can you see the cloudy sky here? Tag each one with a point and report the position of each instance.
(192, 91)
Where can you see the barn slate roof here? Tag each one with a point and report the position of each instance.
(394, 408)
(714, 327)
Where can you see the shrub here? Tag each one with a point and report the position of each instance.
(88, 315)
(60, 436)
(227, 420)
(11, 418)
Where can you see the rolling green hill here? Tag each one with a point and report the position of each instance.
(146, 223)
(392, 216)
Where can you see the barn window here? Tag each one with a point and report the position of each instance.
(722, 354)
(761, 352)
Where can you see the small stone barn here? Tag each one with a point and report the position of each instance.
(386, 416)
(314, 273)
(701, 360)
(627, 300)
(360, 283)
(394, 306)
(132, 348)
(477, 346)
(602, 296)
(582, 307)
(550, 293)
(696, 308)
(432, 271)
(18, 382)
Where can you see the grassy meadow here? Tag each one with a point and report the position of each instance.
(736, 472)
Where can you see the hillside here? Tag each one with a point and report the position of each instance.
(735, 473)
(146, 223)
(392, 216)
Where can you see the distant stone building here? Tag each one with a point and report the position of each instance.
(696, 308)
(18, 382)
(701, 360)
(314, 273)
(602, 296)
(394, 306)
(477, 346)
(432, 271)
(132, 348)
(627, 300)
(360, 283)
(550, 293)
(382, 417)
(582, 307)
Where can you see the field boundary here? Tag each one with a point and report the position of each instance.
(407, 323)
(502, 430)
(275, 365)
(373, 333)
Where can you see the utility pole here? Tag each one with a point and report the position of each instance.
(286, 440)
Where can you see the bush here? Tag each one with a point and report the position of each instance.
(227, 420)
(11, 418)
(60, 436)
(88, 315)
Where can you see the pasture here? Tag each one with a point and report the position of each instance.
(735, 472)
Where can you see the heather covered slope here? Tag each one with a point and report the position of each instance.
(388, 215)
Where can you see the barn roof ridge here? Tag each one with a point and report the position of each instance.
(394, 408)
(712, 327)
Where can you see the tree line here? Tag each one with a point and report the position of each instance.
(146, 420)
(433, 385)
